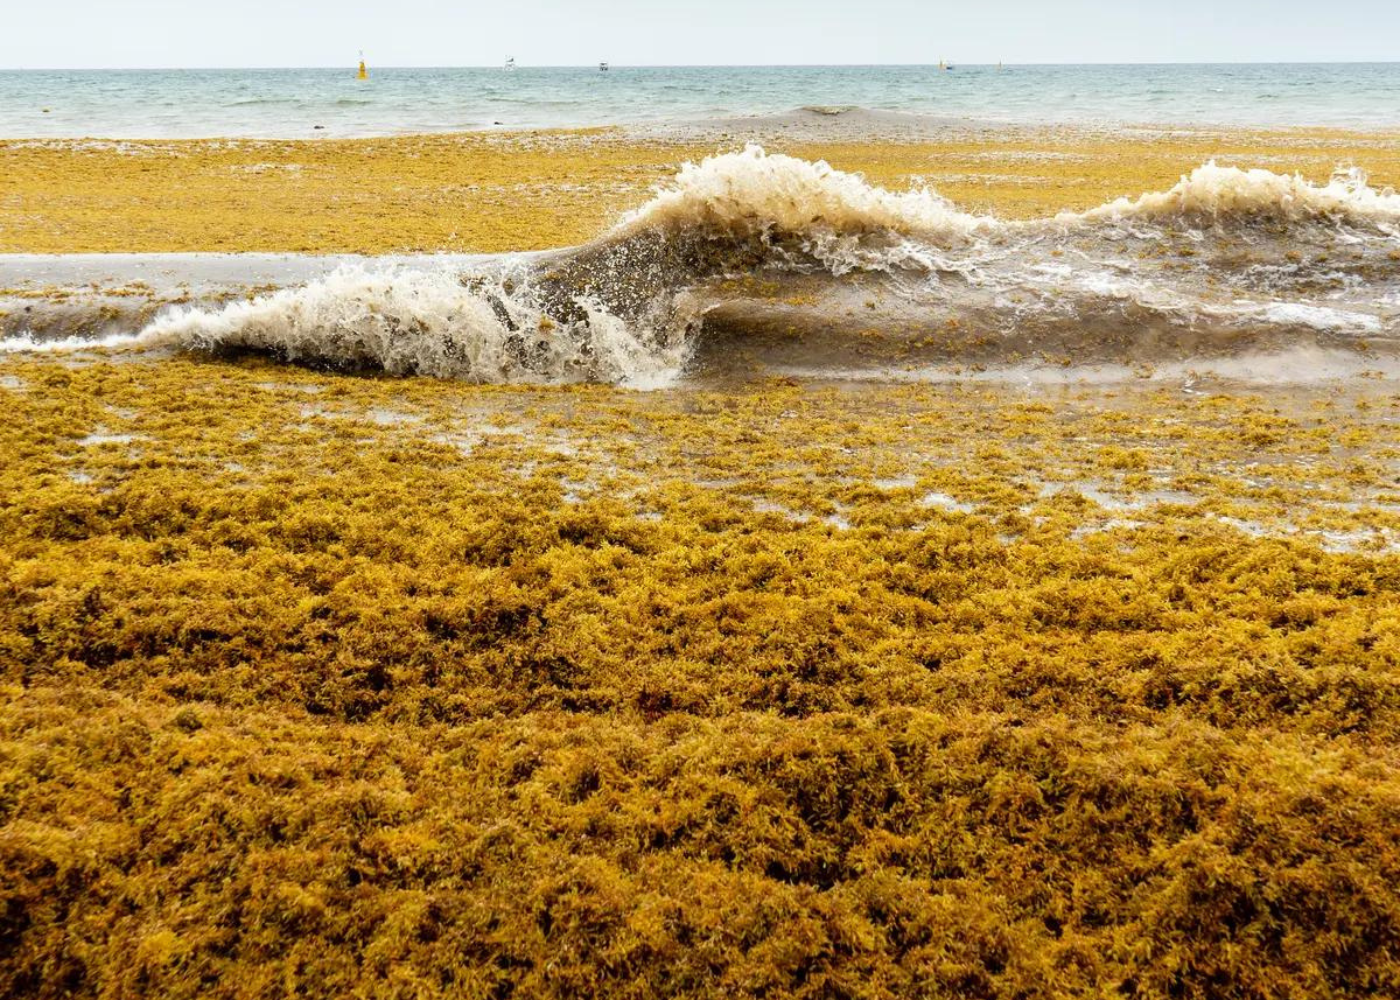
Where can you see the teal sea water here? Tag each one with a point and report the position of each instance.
(291, 103)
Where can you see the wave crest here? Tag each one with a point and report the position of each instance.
(1218, 193)
(759, 192)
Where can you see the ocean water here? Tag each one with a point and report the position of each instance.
(294, 102)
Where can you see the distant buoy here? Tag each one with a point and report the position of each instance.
(364, 72)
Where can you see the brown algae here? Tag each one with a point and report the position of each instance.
(534, 191)
(786, 690)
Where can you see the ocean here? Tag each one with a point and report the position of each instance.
(292, 103)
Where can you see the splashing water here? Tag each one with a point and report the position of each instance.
(751, 259)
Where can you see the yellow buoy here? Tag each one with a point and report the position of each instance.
(364, 73)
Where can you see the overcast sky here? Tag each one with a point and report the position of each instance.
(245, 33)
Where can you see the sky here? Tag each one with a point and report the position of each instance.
(41, 34)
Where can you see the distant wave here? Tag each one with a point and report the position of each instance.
(283, 101)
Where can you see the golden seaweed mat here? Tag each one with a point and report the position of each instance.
(321, 685)
(535, 191)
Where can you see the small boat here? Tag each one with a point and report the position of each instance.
(510, 64)
(603, 67)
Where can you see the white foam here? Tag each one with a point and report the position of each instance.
(754, 191)
(1317, 317)
(1215, 191)
(27, 344)
(421, 322)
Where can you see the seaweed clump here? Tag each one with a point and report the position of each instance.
(327, 685)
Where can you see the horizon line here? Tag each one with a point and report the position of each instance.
(351, 64)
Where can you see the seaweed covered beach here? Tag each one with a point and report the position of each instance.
(1005, 677)
(496, 192)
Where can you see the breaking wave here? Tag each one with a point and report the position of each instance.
(754, 193)
(1215, 192)
(432, 323)
(751, 260)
